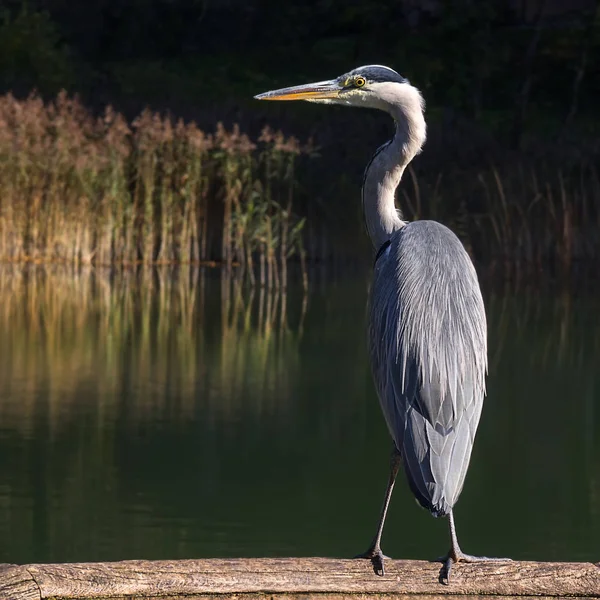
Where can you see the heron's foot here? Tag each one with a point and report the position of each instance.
(376, 557)
(454, 557)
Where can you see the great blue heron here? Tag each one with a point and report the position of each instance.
(427, 325)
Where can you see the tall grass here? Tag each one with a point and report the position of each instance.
(519, 217)
(78, 189)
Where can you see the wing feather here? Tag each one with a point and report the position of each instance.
(428, 347)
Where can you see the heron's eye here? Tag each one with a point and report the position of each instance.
(360, 81)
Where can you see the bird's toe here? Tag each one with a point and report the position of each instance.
(377, 558)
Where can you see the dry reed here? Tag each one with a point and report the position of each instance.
(80, 190)
(523, 217)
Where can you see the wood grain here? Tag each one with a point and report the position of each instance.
(16, 583)
(293, 578)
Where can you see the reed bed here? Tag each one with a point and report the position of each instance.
(519, 217)
(78, 189)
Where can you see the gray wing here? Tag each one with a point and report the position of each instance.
(428, 347)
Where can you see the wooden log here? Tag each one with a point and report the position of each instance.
(292, 578)
(17, 582)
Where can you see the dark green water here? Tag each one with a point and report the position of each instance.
(167, 418)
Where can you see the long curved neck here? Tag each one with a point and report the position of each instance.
(384, 172)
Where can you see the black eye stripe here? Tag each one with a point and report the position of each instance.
(376, 74)
(370, 74)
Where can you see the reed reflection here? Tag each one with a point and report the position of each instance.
(146, 330)
(178, 413)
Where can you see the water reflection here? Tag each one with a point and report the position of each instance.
(176, 414)
(544, 350)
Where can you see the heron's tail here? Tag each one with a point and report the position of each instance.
(435, 461)
(439, 509)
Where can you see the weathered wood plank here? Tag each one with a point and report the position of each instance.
(332, 596)
(16, 583)
(302, 577)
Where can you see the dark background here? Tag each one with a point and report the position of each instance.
(529, 64)
(512, 86)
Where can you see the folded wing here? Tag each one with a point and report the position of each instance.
(427, 332)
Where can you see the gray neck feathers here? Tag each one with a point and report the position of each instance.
(382, 176)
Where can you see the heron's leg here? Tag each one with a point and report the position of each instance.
(457, 555)
(374, 552)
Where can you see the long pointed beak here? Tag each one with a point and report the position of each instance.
(322, 90)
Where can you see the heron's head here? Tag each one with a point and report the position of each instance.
(372, 86)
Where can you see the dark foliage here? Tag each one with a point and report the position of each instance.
(480, 58)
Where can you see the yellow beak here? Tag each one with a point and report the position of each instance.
(322, 90)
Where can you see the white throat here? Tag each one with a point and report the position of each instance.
(382, 176)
